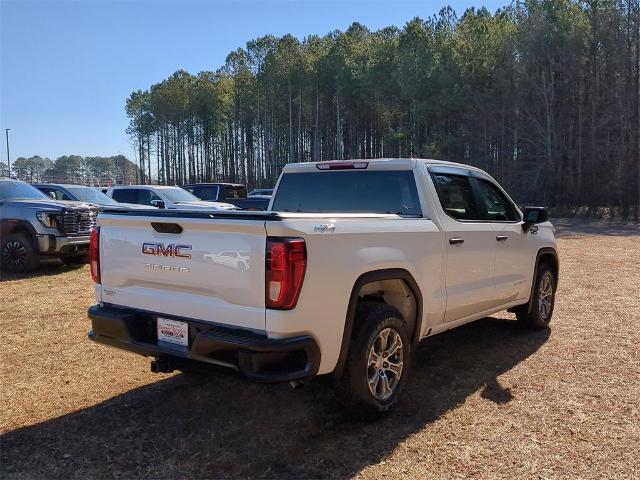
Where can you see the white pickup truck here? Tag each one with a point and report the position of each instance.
(352, 265)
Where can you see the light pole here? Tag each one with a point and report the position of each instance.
(6, 132)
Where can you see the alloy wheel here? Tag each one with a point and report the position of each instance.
(384, 365)
(14, 255)
(545, 296)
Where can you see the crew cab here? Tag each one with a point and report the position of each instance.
(352, 265)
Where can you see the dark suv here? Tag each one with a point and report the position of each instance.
(33, 225)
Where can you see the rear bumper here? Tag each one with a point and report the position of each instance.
(258, 357)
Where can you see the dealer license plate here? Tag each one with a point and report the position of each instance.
(173, 331)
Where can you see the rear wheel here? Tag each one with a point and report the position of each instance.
(17, 254)
(379, 358)
(538, 312)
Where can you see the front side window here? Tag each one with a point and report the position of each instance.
(125, 195)
(495, 205)
(56, 193)
(349, 191)
(235, 191)
(146, 196)
(456, 196)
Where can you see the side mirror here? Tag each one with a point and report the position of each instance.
(532, 216)
(157, 203)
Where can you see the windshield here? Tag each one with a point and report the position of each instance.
(89, 194)
(19, 190)
(178, 195)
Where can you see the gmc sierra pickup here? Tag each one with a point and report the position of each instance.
(350, 267)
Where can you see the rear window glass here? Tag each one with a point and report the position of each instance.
(348, 192)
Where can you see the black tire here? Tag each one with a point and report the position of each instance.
(75, 259)
(537, 313)
(17, 254)
(373, 318)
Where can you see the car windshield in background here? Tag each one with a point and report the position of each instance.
(88, 194)
(19, 190)
(178, 195)
(349, 192)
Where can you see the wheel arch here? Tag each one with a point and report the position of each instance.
(547, 256)
(10, 226)
(376, 277)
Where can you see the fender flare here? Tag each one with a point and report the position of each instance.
(376, 276)
(543, 251)
(8, 225)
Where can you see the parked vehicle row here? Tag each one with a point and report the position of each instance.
(350, 267)
(36, 218)
(33, 225)
(233, 193)
(80, 193)
(161, 196)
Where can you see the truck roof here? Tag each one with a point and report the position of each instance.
(226, 184)
(116, 187)
(376, 164)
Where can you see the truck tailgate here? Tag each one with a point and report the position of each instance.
(211, 269)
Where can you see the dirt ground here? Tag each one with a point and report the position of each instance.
(485, 401)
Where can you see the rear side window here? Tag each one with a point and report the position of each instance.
(456, 196)
(349, 192)
(125, 195)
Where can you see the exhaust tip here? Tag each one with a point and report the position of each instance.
(161, 365)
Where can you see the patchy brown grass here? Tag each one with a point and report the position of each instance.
(486, 400)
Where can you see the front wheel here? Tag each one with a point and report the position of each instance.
(379, 358)
(17, 254)
(538, 312)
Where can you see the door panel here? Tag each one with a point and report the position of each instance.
(513, 257)
(470, 248)
(470, 270)
(512, 247)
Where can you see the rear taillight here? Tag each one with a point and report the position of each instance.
(94, 254)
(286, 261)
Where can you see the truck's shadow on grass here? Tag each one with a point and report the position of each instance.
(222, 426)
(48, 268)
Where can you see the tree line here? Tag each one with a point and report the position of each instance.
(76, 169)
(544, 94)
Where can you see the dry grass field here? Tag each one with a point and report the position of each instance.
(486, 400)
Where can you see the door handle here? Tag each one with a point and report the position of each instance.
(456, 241)
(501, 238)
